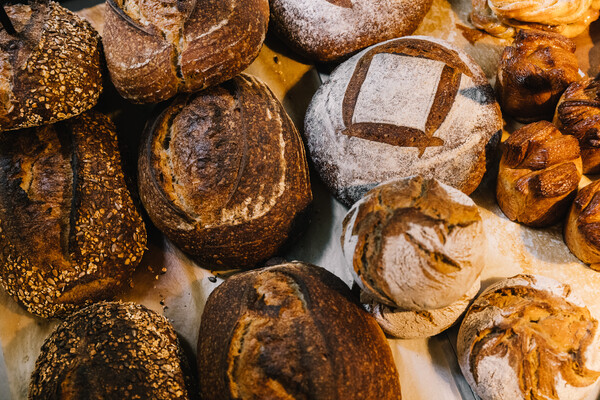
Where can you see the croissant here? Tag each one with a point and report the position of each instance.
(539, 172)
(534, 72)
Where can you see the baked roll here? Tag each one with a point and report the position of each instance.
(156, 49)
(502, 17)
(49, 70)
(538, 176)
(578, 114)
(533, 73)
(410, 106)
(328, 30)
(223, 174)
(528, 337)
(414, 244)
(581, 229)
(112, 351)
(291, 331)
(70, 233)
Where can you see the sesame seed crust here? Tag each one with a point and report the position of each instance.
(70, 233)
(111, 350)
(50, 71)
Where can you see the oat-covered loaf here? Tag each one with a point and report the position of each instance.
(112, 350)
(223, 174)
(70, 233)
(156, 49)
(292, 332)
(529, 337)
(409, 106)
(582, 233)
(533, 73)
(327, 30)
(538, 176)
(414, 243)
(502, 18)
(49, 70)
(578, 114)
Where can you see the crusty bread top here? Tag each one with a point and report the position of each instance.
(528, 337)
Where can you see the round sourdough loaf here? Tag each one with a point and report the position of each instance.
(155, 49)
(112, 351)
(291, 331)
(223, 174)
(327, 30)
(70, 233)
(409, 106)
(414, 244)
(49, 70)
(529, 337)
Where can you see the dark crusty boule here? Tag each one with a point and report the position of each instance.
(112, 351)
(291, 331)
(51, 69)
(70, 233)
(223, 174)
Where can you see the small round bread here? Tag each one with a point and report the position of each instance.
(533, 73)
(407, 324)
(49, 70)
(578, 114)
(327, 30)
(291, 331)
(70, 233)
(112, 351)
(538, 176)
(502, 18)
(156, 49)
(223, 174)
(528, 337)
(409, 106)
(581, 230)
(414, 244)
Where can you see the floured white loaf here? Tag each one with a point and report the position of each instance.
(406, 324)
(414, 244)
(529, 337)
(415, 105)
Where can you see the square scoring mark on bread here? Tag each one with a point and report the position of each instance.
(409, 103)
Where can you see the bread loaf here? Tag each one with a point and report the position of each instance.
(156, 49)
(578, 114)
(291, 331)
(533, 73)
(539, 173)
(49, 70)
(410, 106)
(528, 337)
(327, 30)
(581, 229)
(414, 244)
(112, 351)
(70, 233)
(223, 174)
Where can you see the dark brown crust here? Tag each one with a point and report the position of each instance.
(69, 231)
(51, 70)
(109, 351)
(315, 340)
(212, 161)
(534, 72)
(146, 66)
(582, 229)
(538, 176)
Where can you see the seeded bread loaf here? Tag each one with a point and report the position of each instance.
(50, 70)
(223, 174)
(156, 49)
(291, 331)
(70, 233)
(112, 351)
